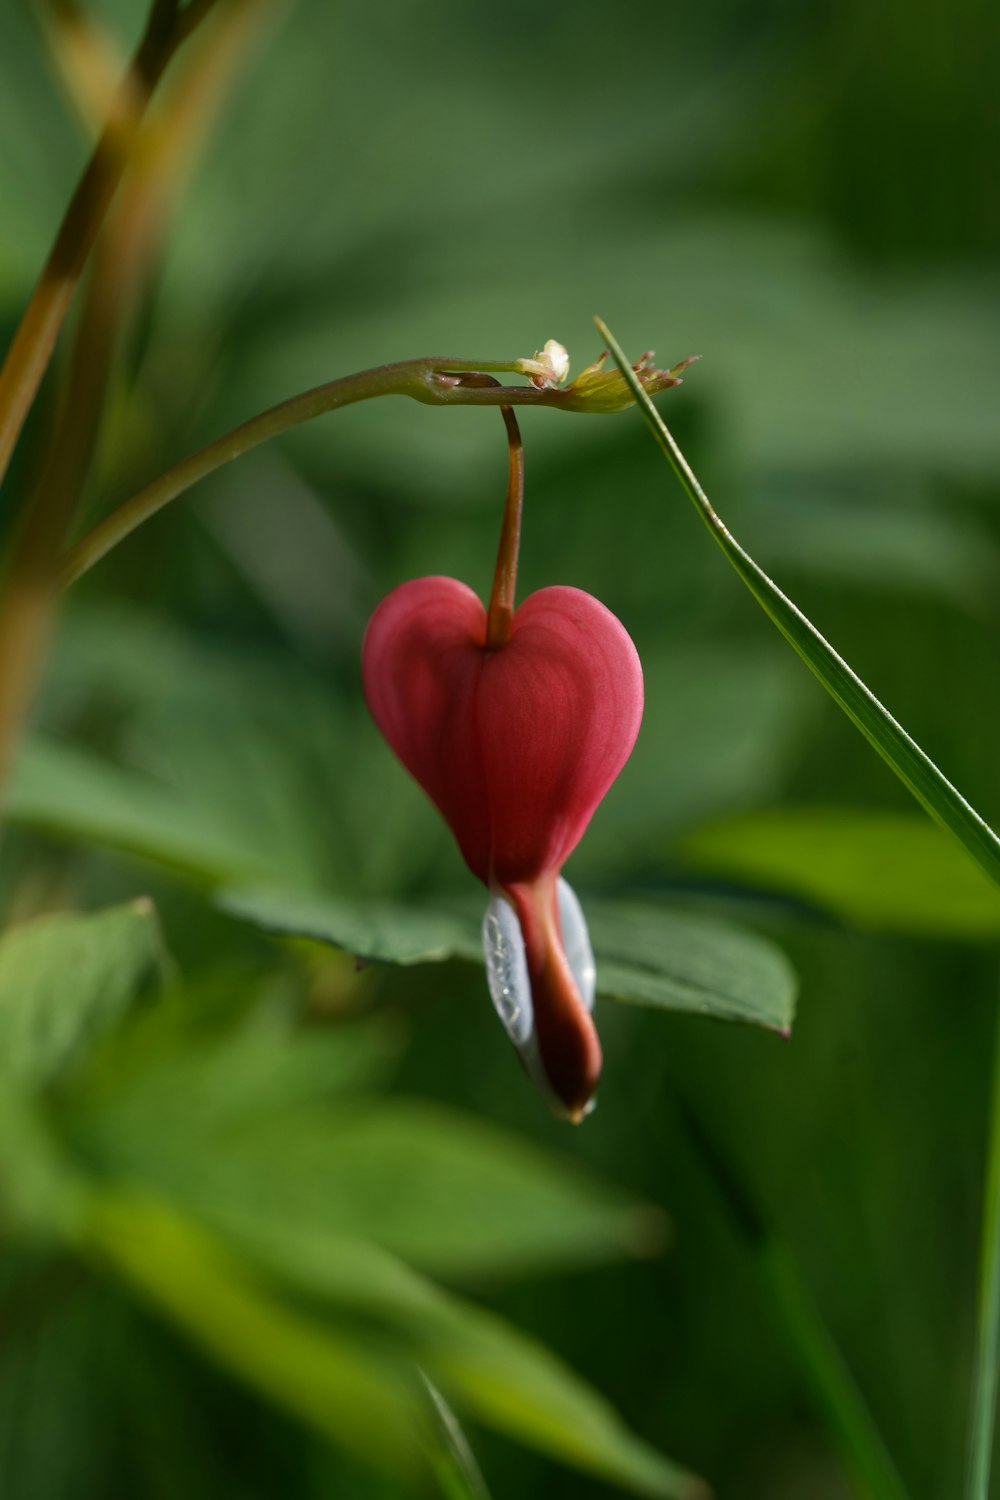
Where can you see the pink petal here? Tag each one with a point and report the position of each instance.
(516, 747)
(559, 709)
(420, 665)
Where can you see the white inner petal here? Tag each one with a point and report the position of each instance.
(507, 970)
(510, 987)
(576, 942)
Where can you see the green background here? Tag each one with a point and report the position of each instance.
(804, 196)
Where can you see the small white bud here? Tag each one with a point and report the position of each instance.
(547, 366)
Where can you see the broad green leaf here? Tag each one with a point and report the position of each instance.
(254, 756)
(376, 931)
(490, 1371)
(357, 1388)
(886, 870)
(646, 954)
(915, 769)
(680, 960)
(40, 1192)
(453, 1195)
(65, 981)
(335, 1382)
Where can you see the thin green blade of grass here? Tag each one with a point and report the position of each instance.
(982, 1418)
(916, 770)
(452, 1460)
(948, 807)
(835, 1393)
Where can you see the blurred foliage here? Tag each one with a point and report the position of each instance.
(248, 1189)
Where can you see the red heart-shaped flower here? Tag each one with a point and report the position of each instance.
(516, 746)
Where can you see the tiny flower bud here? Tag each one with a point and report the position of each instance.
(547, 367)
(599, 390)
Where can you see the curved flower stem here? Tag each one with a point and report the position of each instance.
(435, 382)
(504, 595)
(31, 348)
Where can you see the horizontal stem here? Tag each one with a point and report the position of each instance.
(435, 382)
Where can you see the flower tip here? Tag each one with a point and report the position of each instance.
(582, 1112)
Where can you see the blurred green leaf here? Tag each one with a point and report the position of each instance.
(688, 763)
(66, 980)
(879, 540)
(451, 1194)
(64, 789)
(181, 1067)
(492, 1372)
(875, 869)
(40, 1192)
(329, 1380)
(291, 1187)
(220, 762)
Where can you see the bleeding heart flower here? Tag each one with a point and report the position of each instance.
(515, 723)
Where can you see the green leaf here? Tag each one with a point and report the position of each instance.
(40, 1191)
(684, 961)
(884, 870)
(648, 955)
(377, 931)
(854, 536)
(492, 1372)
(66, 980)
(332, 1381)
(452, 1194)
(63, 789)
(915, 769)
(184, 1068)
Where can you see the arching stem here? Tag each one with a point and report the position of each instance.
(501, 611)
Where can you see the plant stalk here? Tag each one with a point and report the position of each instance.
(31, 348)
(503, 599)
